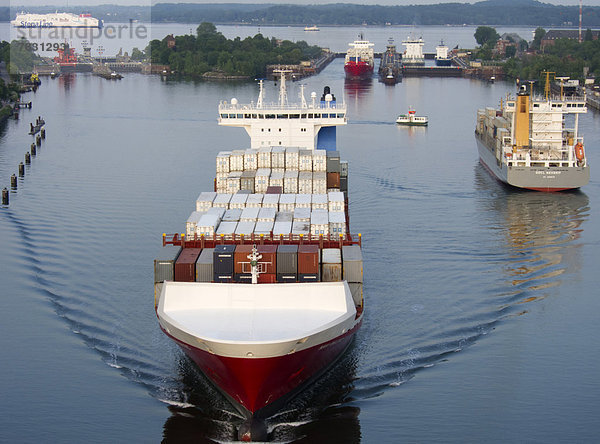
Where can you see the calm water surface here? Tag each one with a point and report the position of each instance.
(482, 302)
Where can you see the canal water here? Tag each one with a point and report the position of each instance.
(481, 301)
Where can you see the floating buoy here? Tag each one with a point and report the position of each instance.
(4, 196)
(33, 149)
(21, 169)
(13, 182)
(43, 133)
(27, 158)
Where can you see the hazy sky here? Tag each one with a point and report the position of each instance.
(304, 2)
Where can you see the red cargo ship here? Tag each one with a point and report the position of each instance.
(359, 60)
(264, 293)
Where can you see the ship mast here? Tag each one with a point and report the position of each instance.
(254, 258)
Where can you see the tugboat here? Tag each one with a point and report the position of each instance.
(411, 119)
(390, 69)
(264, 289)
(526, 142)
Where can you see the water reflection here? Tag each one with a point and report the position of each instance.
(67, 80)
(355, 89)
(541, 231)
(319, 414)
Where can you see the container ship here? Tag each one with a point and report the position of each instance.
(56, 20)
(359, 60)
(526, 143)
(263, 290)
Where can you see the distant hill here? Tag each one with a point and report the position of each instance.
(489, 12)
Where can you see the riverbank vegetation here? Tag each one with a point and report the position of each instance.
(210, 52)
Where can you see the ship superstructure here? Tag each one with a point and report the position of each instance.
(441, 55)
(413, 53)
(527, 143)
(263, 290)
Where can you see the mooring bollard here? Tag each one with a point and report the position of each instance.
(21, 169)
(43, 133)
(27, 158)
(13, 181)
(38, 139)
(4, 196)
(33, 150)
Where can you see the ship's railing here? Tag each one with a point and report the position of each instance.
(543, 157)
(228, 107)
(208, 241)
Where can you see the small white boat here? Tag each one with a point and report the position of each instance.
(311, 28)
(411, 119)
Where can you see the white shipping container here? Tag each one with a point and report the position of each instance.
(207, 224)
(267, 214)
(319, 223)
(221, 182)
(301, 227)
(319, 183)
(254, 200)
(291, 158)
(305, 182)
(278, 157)
(249, 214)
(233, 181)
(290, 181)
(331, 256)
(271, 201)
(261, 180)
(319, 202)
(192, 222)
(319, 160)
(287, 202)
(238, 200)
(337, 223)
(226, 228)
(245, 228)
(232, 215)
(302, 214)
(264, 157)
(250, 160)
(222, 200)
(263, 227)
(205, 200)
(236, 160)
(219, 211)
(282, 228)
(336, 201)
(284, 216)
(305, 158)
(223, 162)
(276, 179)
(303, 201)
(344, 168)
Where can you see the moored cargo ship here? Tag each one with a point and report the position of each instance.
(359, 61)
(526, 143)
(263, 290)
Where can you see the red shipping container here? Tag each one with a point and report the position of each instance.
(333, 180)
(269, 257)
(274, 190)
(308, 259)
(240, 256)
(267, 278)
(185, 266)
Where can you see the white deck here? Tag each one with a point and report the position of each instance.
(263, 313)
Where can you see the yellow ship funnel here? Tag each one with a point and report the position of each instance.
(522, 119)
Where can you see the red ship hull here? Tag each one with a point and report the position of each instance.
(260, 386)
(358, 70)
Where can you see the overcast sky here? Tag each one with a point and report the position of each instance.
(17, 3)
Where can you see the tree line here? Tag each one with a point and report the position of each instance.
(209, 51)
